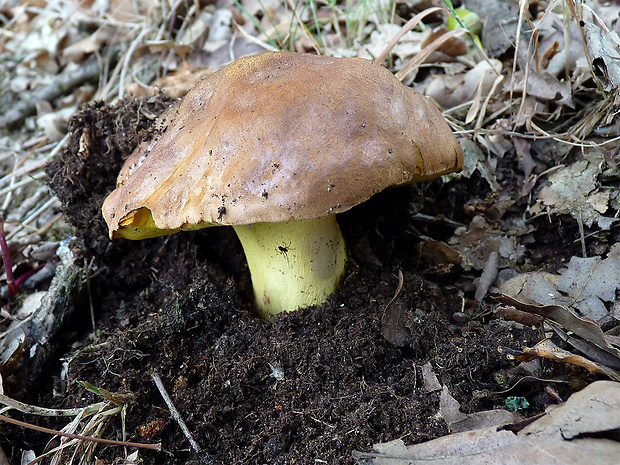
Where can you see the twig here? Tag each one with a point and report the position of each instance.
(3, 458)
(6, 259)
(111, 442)
(32, 216)
(127, 58)
(48, 225)
(61, 85)
(174, 412)
(491, 267)
(18, 173)
(307, 33)
(584, 252)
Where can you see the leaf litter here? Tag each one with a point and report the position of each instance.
(533, 215)
(579, 431)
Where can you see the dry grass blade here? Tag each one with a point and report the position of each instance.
(593, 115)
(47, 412)
(52, 201)
(483, 111)
(430, 48)
(513, 82)
(410, 25)
(317, 48)
(127, 59)
(97, 416)
(32, 167)
(256, 40)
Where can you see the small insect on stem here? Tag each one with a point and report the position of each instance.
(284, 249)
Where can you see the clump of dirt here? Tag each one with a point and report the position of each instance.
(102, 137)
(310, 387)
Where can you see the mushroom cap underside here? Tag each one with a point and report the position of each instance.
(277, 137)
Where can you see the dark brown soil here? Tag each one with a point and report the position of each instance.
(309, 388)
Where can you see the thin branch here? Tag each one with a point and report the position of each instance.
(6, 259)
(110, 442)
(174, 412)
(61, 85)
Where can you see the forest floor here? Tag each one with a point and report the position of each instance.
(495, 289)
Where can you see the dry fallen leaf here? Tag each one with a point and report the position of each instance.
(593, 410)
(578, 432)
(604, 50)
(599, 353)
(476, 160)
(547, 349)
(450, 411)
(479, 240)
(586, 284)
(429, 378)
(176, 84)
(547, 87)
(450, 91)
(575, 190)
(408, 46)
(584, 328)
(591, 282)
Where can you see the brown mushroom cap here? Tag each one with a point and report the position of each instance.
(278, 137)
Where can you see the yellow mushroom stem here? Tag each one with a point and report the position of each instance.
(294, 264)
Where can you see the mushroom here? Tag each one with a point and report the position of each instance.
(276, 145)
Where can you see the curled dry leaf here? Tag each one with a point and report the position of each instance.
(441, 258)
(586, 329)
(599, 355)
(546, 87)
(604, 49)
(548, 349)
(519, 316)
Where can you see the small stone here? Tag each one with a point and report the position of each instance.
(460, 318)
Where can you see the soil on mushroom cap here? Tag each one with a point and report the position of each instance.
(314, 385)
